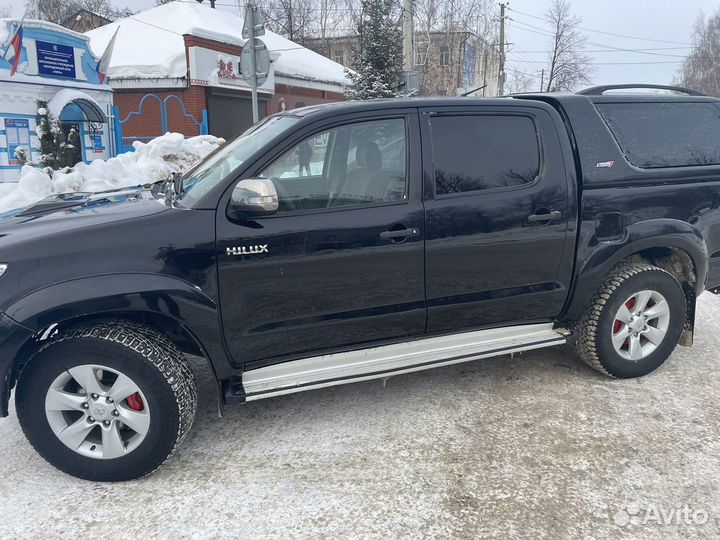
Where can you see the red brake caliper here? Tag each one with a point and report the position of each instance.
(135, 402)
(617, 325)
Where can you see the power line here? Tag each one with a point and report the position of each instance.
(615, 50)
(608, 63)
(523, 73)
(606, 33)
(547, 33)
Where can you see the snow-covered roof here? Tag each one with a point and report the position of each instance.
(150, 44)
(34, 23)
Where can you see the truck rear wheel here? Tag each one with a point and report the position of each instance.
(108, 401)
(634, 321)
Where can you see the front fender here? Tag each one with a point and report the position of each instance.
(595, 259)
(12, 338)
(109, 294)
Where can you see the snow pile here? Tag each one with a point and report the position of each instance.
(152, 161)
(4, 32)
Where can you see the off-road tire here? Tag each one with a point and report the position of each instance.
(594, 345)
(143, 354)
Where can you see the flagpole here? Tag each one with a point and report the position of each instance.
(106, 56)
(19, 26)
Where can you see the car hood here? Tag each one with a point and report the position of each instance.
(62, 212)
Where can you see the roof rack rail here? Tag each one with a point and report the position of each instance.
(600, 90)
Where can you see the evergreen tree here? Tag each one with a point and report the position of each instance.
(57, 151)
(378, 60)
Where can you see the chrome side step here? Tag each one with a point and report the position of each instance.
(379, 362)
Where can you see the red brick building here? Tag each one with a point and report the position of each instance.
(176, 67)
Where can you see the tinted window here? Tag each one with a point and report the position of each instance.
(655, 135)
(218, 165)
(351, 165)
(472, 153)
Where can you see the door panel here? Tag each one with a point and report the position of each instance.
(331, 279)
(488, 261)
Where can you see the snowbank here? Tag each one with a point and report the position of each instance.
(155, 160)
(4, 32)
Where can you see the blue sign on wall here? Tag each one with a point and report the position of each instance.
(17, 131)
(55, 60)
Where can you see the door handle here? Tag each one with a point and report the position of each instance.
(395, 235)
(547, 217)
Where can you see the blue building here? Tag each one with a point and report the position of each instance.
(55, 65)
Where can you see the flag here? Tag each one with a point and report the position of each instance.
(104, 64)
(16, 44)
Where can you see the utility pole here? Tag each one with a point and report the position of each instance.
(486, 56)
(253, 61)
(542, 80)
(501, 71)
(408, 36)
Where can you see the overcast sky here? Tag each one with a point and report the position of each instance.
(667, 21)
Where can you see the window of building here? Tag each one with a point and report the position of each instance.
(351, 165)
(473, 153)
(420, 56)
(339, 57)
(445, 57)
(654, 135)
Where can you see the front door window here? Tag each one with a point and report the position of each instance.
(352, 165)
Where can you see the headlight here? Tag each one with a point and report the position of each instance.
(3, 268)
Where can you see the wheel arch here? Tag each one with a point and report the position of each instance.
(172, 306)
(672, 245)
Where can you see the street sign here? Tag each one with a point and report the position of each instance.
(255, 59)
(262, 62)
(259, 23)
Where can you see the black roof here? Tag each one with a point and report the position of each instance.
(560, 97)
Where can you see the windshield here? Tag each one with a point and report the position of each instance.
(224, 161)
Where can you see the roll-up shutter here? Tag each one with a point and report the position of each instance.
(230, 113)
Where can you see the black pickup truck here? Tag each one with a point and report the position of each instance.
(340, 243)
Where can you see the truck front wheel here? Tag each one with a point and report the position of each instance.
(634, 322)
(107, 401)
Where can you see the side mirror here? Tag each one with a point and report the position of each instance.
(253, 197)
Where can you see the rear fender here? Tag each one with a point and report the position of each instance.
(601, 257)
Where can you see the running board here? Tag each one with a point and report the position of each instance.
(379, 362)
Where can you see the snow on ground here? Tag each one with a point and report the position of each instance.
(151, 161)
(534, 445)
(150, 44)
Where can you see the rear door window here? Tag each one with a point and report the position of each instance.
(656, 135)
(479, 152)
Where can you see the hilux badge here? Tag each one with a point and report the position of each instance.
(248, 250)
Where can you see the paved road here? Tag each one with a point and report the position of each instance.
(532, 446)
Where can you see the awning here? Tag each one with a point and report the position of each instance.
(90, 108)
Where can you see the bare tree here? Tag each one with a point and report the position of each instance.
(520, 82)
(290, 18)
(701, 69)
(452, 37)
(327, 18)
(60, 11)
(569, 67)
(5, 12)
